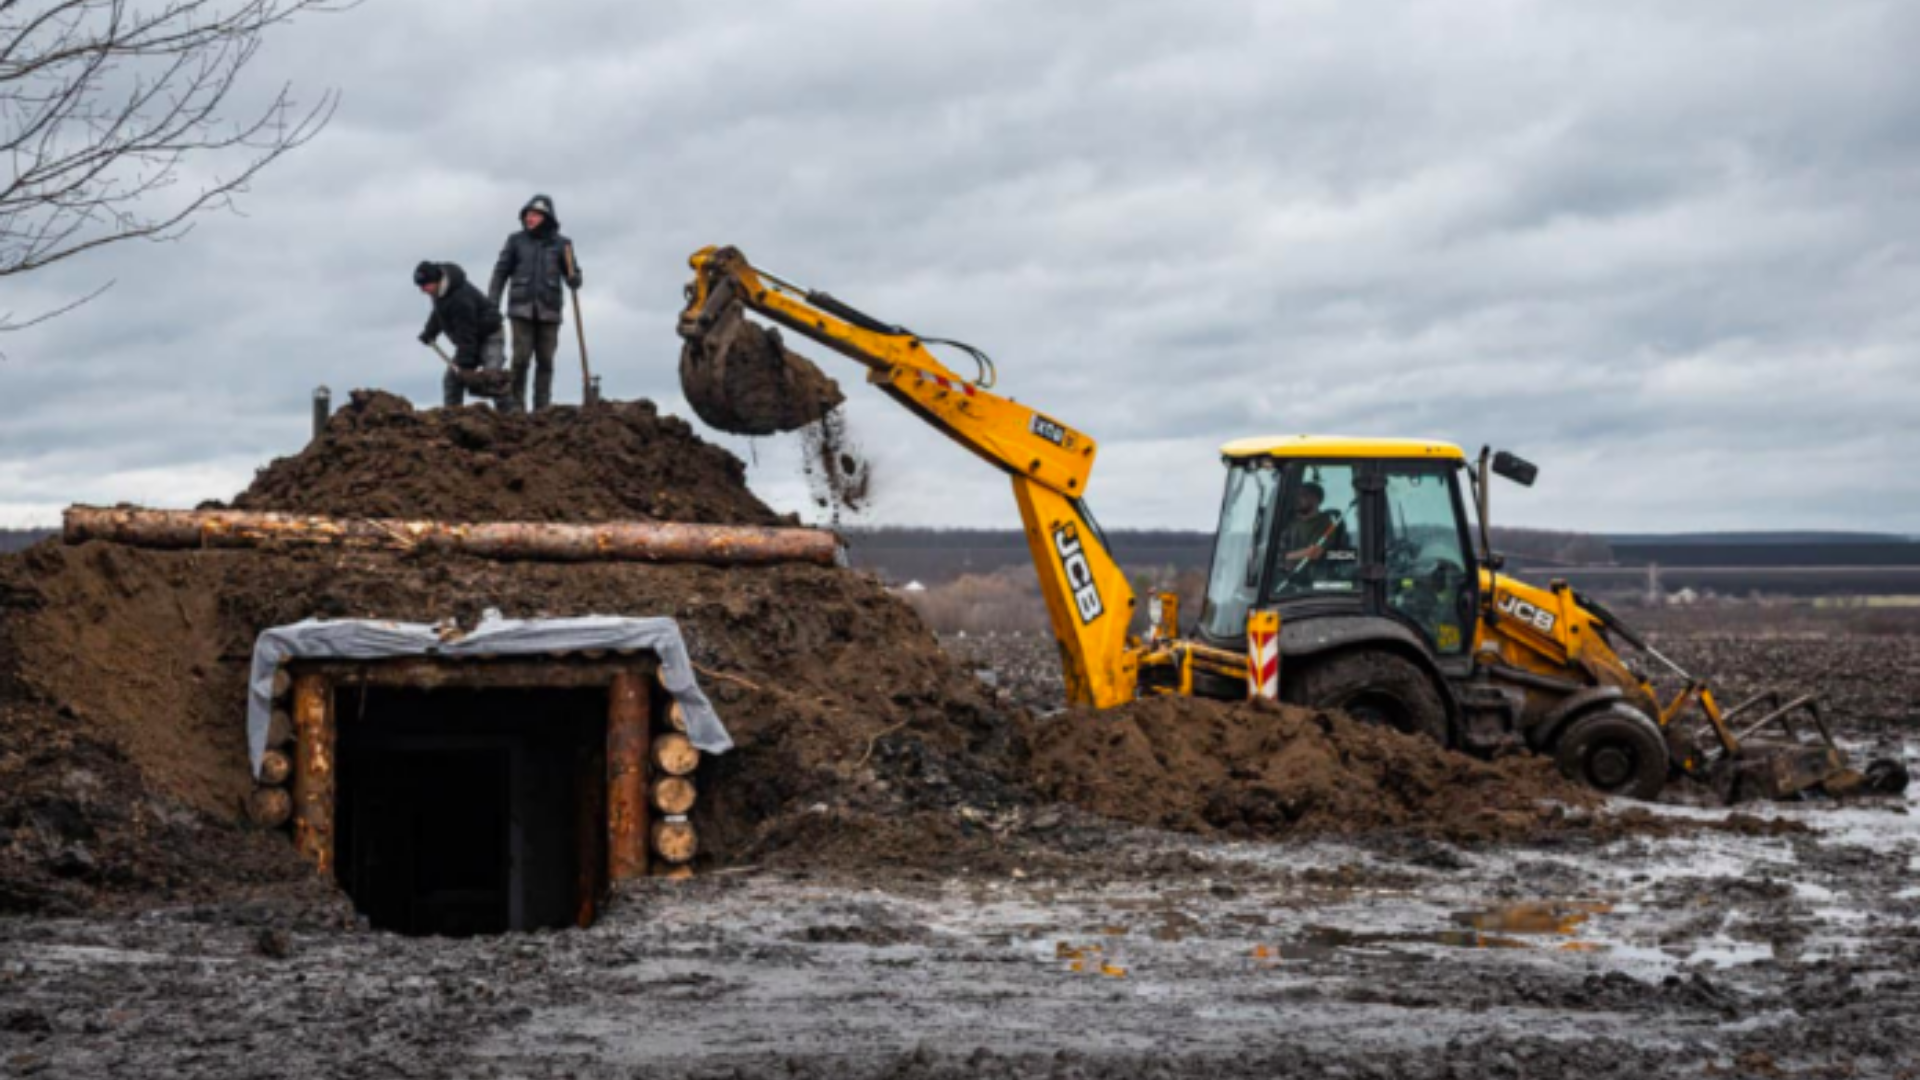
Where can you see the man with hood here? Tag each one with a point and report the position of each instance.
(538, 261)
(462, 312)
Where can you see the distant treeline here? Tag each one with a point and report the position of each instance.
(936, 556)
(1747, 553)
(21, 539)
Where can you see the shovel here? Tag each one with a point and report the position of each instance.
(587, 388)
(475, 379)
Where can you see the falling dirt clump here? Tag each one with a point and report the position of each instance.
(1259, 770)
(838, 477)
(615, 461)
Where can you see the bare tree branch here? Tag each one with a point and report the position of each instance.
(104, 103)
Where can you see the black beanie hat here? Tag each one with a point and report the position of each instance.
(427, 273)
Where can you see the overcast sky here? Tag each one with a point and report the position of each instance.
(1667, 251)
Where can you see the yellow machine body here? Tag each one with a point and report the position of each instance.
(1540, 653)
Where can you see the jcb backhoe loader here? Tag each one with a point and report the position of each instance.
(1345, 574)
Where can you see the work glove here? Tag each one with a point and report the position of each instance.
(574, 282)
(427, 339)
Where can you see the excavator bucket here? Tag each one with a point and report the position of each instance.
(739, 377)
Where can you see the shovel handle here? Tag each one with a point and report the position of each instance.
(580, 331)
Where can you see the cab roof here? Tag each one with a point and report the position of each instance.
(1340, 446)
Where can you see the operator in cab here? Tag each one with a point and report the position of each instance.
(1311, 531)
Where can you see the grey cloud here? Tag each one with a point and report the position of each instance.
(1662, 250)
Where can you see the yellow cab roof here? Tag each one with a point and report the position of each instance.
(1340, 446)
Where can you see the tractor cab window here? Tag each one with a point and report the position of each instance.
(1426, 566)
(1240, 548)
(1318, 552)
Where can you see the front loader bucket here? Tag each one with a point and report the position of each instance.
(740, 378)
(1783, 770)
(1789, 751)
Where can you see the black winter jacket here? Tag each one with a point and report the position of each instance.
(462, 313)
(535, 261)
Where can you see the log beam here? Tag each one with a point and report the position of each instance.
(616, 541)
(313, 772)
(627, 731)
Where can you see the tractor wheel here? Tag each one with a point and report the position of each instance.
(1374, 687)
(1616, 751)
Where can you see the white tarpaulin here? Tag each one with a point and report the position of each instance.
(369, 639)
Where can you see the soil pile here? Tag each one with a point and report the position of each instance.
(859, 742)
(122, 671)
(1257, 770)
(615, 461)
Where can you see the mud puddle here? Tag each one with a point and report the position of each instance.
(1158, 953)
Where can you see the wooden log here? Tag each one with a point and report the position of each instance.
(677, 717)
(637, 541)
(275, 768)
(675, 841)
(674, 755)
(280, 728)
(269, 807)
(627, 777)
(476, 673)
(313, 773)
(673, 795)
(282, 682)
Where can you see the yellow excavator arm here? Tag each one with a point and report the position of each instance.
(1088, 598)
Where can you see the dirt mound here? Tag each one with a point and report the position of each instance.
(122, 682)
(136, 662)
(1257, 770)
(380, 457)
(122, 671)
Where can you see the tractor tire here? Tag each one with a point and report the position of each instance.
(1888, 776)
(1616, 751)
(1374, 687)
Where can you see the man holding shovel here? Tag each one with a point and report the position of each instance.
(537, 261)
(475, 328)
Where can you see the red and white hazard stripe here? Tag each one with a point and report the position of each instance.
(945, 384)
(1263, 655)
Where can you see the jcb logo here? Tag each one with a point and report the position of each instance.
(1073, 562)
(1050, 431)
(1531, 614)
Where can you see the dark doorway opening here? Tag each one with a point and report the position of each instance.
(471, 811)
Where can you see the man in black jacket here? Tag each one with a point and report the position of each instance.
(462, 312)
(538, 261)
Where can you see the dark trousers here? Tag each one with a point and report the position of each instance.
(535, 343)
(493, 357)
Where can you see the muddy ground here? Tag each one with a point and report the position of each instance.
(1054, 943)
(907, 869)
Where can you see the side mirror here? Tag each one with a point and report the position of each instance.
(1519, 470)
